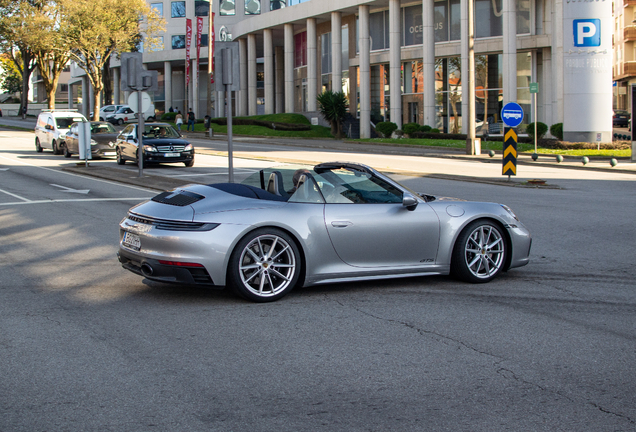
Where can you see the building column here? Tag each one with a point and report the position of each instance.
(241, 105)
(251, 74)
(557, 63)
(70, 96)
(167, 84)
(395, 66)
(545, 84)
(194, 89)
(289, 68)
(312, 65)
(336, 52)
(509, 51)
(116, 86)
(279, 56)
(86, 95)
(428, 62)
(268, 52)
(365, 72)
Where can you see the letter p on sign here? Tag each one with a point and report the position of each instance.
(587, 32)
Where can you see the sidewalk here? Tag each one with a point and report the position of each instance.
(570, 162)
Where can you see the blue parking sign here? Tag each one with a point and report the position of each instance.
(587, 32)
(512, 114)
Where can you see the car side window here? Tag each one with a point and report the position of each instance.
(344, 186)
(49, 122)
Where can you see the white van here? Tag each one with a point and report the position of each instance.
(51, 127)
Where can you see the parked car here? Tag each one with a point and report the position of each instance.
(51, 127)
(107, 111)
(125, 114)
(335, 222)
(162, 144)
(621, 118)
(103, 138)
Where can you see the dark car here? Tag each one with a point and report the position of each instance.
(162, 144)
(621, 118)
(103, 137)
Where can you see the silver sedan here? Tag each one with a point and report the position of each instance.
(335, 222)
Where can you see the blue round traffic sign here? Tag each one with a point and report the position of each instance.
(512, 114)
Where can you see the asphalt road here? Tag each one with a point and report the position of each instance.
(86, 345)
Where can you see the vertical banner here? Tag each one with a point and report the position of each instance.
(510, 151)
(188, 44)
(211, 40)
(199, 31)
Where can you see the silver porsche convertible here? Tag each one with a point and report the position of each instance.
(335, 222)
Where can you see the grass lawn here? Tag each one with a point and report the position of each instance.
(498, 146)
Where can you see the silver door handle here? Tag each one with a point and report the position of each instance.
(341, 224)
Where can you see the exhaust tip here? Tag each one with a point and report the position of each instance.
(146, 270)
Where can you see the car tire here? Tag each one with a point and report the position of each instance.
(190, 163)
(56, 150)
(265, 265)
(120, 159)
(38, 147)
(480, 252)
(67, 154)
(120, 122)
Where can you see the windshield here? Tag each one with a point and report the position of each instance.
(160, 131)
(331, 185)
(102, 128)
(65, 122)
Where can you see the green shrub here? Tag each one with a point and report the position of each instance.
(425, 128)
(386, 128)
(434, 130)
(557, 131)
(409, 128)
(542, 129)
(169, 116)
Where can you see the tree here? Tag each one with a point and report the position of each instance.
(11, 79)
(15, 17)
(46, 39)
(333, 107)
(95, 30)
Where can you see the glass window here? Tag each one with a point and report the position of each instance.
(413, 25)
(300, 49)
(156, 45)
(277, 4)
(441, 23)
(227, 8)
(178, 9)
(488, 13)
(523, 16)
(455, 20)
(157, 8)
(376, 31)
(178, 42)
(201, 8)
(204, 40)
(252, 7)
(325, 57)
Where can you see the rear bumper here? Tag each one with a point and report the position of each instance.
(153, 270)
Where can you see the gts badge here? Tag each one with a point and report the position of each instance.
(427, 260)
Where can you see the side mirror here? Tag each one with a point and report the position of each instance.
(48, 127)
(409, 201)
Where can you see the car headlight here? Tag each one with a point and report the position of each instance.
(93, 142)
(189, 147)
(510, 212)
(149, 148)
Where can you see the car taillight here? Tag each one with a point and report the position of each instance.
(180, 264)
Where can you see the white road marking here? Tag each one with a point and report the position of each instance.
(15, 196)
(72, 200)
(68, 189)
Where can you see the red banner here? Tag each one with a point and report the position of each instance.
(199, 31)
(211, 49)
(188, 43)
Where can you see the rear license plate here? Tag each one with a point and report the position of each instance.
(132, 241)
(172, 154)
